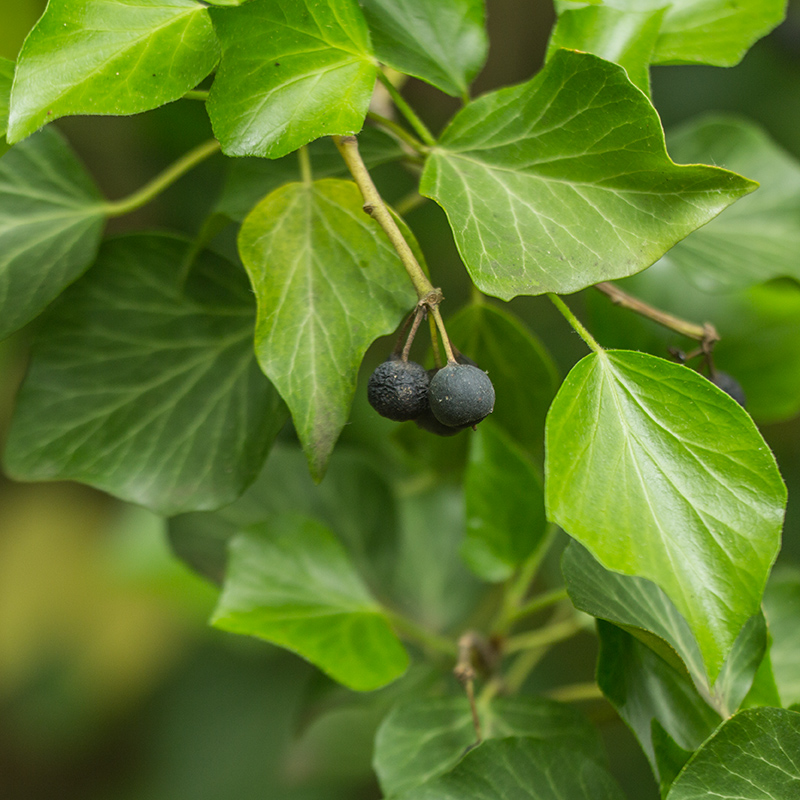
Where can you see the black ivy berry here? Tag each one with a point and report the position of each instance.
(730, 385)
(399, 389)
(461, 395)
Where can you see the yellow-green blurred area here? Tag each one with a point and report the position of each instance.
(112, 685)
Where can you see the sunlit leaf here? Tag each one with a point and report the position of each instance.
(663, 476)
(564, 181)
(291, 582)
(122, 57)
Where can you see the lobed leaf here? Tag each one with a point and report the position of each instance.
(442, 43)
(564, 181)
(663, 476)
(143, 383)
(291, 71)
(51, 220)
(291, 583)
(328, 283)
(109, 57)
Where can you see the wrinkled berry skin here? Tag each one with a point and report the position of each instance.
(461, 395)
(730, 385)
(398, 390)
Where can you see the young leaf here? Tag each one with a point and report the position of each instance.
(499, 343)
(51, 220)
(564, 181)
(442, 43)
(627, 38)
(504, 504)
(328, 283)
(291, 71)
(520, 769)
(132, 366)
(757, 239)
(782, 607)
(291, 583)
(85, 57)
(662, 475)
(445, 725)
(752, 756)
(6, 77)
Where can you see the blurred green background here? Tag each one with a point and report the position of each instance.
(111, 683)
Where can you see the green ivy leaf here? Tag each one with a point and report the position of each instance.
(291, 71)
(752, 756)
(6, 77)
(565, 181)
(627, 38)
(442, 43)
(659, 703)
(328, 283)
(757, 239)
(123, 57)
(445, 726)
(520, 769)
(51, 220)
(504, 505)
(663, 476)
(714, 32)
(782, 607)
(500, 344)
(131, 365)
(291, 583)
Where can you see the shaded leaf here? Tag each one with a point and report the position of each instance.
(132, 365)
(782, 607)
(565, 181)
(443, 43)
(504, 505)
(291, 583)
(328, 283)
(51, 220)
(445, 726)
(122, 57)
(663, 476)
(6, 77)
(521, 769)
(291, 71)
(752, 756)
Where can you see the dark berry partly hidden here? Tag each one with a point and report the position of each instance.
(461, 395)
(398, 389)
(730, 385)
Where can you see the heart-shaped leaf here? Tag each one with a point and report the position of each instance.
(328, 283)
(51, 220)
(662, 475)
(122, 57)
(443, 43)
(564, 181)
(131, 365)
(291, 583)
(291, 71)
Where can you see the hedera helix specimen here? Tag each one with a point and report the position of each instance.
(156, 377)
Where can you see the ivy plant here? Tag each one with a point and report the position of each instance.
(220, 386)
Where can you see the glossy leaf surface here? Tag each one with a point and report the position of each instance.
(328, 283)
(443, 43)
(122, 57)
(564, 181)
(662, 475)
(445, 726)
(520, 769)
(753, 756)
(51, 220)
(291, 71)
(504, 502)
(757, 239)
(291, 582)
(131, 365)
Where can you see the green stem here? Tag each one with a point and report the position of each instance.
(161, 182)
(576, 691)
(432, 642)
(542, 637)
(573, 320)
(409, 202)
(305, 165)
(448, 348)
(536, 604)
(197, 94)
(398, 131)
(405, 109)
